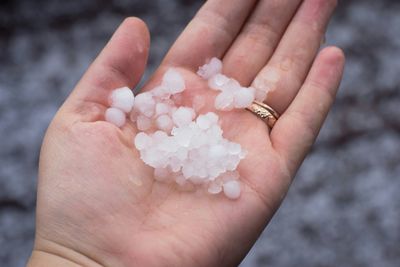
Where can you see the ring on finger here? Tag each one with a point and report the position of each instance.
(264, 112)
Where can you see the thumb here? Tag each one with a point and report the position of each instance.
(121, 63)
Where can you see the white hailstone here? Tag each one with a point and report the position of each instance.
(173, 80)
(210, 69)
(244, 97)
(143, 123)
(232, 86)
(203, 122)
(214, 187)
(115, 116)
(154, 157)
(175, 164)
(218, 82)
(212, 117)
(183, 116)
(183, 135)
(162, 108)
(234, 149)
(145, 103)
(161, 92)
(232, 189)
(232, 162)
(214, 133)
(182, 154)
(122, 98)
(224, 101)
(187, 170)
(213, 171)
(142, 141)
(170, 146)
(160, 136)
(164, 123)
(217, 152)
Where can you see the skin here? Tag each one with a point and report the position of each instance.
(98, 204)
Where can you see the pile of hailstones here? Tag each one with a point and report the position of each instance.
(180, 145)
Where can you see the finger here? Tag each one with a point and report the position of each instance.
(210, 33)
(296, 130)
(258, 39)
(288, 67)
(121, 63)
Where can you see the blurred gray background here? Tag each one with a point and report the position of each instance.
(344, 206)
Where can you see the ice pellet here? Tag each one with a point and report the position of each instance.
(162, 108)
(122, 98)
(142, 141)
(210, 69)
(214, 188)
(164, 123)
(244, 97)
(232, 189)
(183, 116)
(224, 101)
(218, 81)
(173, 81)
(203, 122)
(145, 103)
(115, 116)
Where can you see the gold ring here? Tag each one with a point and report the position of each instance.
(265, 112)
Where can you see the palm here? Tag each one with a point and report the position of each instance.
(104, 200)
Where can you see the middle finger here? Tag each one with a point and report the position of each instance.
(258, 39)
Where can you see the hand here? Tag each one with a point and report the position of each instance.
(98, 204)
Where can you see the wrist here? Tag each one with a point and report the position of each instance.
(41, 258)
(51, 254)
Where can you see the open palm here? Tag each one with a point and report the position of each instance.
(98, 204)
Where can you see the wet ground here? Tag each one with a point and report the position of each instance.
(344, 206)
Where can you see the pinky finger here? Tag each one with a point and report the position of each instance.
(296, 130)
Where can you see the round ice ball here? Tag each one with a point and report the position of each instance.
(244, 97)
(210, 69)
(115, 116)
(183, 116)
(122, 98)
(224, 101)
(217, 82)
(164, 123)
(162, 108)
(232, 189)
(142, 141)
(173, 81)
(214, 188)
(145, 103)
